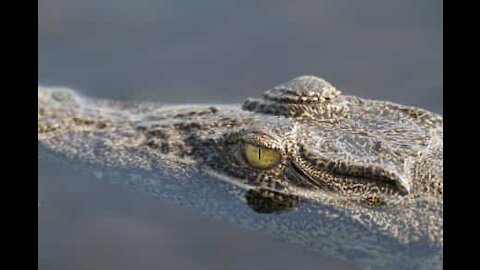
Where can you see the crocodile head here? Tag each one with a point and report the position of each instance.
(304, 139)
(377, 166)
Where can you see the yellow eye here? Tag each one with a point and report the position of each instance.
(260, 157)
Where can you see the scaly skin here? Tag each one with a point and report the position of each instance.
(357, 179)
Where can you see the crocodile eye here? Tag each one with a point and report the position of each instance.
(261, 157)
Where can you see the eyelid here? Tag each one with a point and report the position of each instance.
(261, 140)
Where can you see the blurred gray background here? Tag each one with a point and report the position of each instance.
(211, 52)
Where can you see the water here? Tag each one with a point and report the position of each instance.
(211, 52)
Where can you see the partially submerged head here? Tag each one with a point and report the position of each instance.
(307, 137)
(371, 169)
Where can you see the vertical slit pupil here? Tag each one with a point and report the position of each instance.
(259, 151)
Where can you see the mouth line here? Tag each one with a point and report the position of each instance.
(301, 167)
(321, 194)
(299, 173)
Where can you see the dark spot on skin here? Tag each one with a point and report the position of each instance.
(165, 147)
(158, 133)
(80, 121)
(377, 146)
(188, 126)
(373, 201)
(267, 201)
(101, 125)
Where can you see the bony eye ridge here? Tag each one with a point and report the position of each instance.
(260, 157)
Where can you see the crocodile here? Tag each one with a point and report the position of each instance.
(342, 176)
